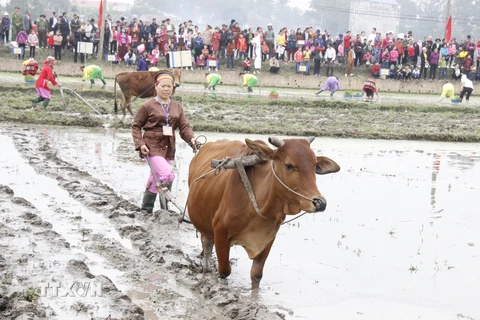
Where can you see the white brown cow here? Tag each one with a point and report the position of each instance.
(139, 84)
(283, 182)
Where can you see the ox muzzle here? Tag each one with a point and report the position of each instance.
(320, 204)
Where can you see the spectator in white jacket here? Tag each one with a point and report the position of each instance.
(330, 56)
(130, 58)
(88, 31)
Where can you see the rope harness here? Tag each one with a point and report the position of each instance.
(291, 190)
(286, 187)
(248, 187)
(215, 171)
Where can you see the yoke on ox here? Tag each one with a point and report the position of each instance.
(282, 182)
(140, 84)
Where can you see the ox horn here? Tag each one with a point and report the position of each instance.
(310, 139)
(277, 142)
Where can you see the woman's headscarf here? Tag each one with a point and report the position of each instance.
(163, 75)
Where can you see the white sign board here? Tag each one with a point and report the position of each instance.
(85, 47)
(180, 59)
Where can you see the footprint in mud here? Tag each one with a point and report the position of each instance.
(35, 220)
(52, 237)
(22, 202)
(79, 267)
(6, 190)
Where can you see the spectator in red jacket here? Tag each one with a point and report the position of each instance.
(399, 45)
(386, 40)
(411, 54)
(242, 46)
(376, 70)
(367, 58)
(347, 40)
(47, 75)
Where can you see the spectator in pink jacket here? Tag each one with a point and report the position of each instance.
(123, 41)
(341, 53)
(452, 48)
(394, 56)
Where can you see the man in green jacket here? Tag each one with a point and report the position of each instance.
(91, 72)
(17, 23)
(249, 80)
(212, 79)
(42, 29)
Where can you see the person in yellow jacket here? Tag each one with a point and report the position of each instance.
(281, 44)
(212, 79)
(249, 80)
(91, 72)
(448, 91)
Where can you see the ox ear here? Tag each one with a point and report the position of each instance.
(326, 165)
(260, 148)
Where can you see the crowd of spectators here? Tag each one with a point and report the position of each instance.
(401, 56)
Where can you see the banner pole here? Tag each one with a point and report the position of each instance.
(102, 28)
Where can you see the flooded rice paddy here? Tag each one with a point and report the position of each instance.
(399, 238)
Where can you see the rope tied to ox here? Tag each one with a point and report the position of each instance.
(248, 186)
(240, 166)
(215, 171)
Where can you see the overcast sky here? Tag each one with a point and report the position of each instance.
(300, 3)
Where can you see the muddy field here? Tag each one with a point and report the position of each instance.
(297, 113)
(61, 225)
(399, 235)
(398, 238)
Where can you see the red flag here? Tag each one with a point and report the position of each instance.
(100, 14)
(448, 29)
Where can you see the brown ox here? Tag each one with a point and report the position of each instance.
(220, 208)
(139, 84)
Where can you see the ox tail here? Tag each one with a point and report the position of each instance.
(115, 106)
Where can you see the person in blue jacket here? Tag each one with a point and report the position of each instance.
(142, 62)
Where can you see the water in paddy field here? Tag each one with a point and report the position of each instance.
(399, 238)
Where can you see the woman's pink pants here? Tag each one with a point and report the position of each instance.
(163, 171)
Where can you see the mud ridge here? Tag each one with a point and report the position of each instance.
(24, 274)
(157, 250)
